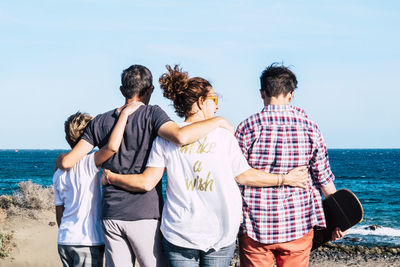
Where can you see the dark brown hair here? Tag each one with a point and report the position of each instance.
(74, 127)
(277, 79)
(135, 80)
(182, 90)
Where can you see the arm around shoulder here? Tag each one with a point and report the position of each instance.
(144, 182)
(192, 132)
(67, 161)
(117, 133)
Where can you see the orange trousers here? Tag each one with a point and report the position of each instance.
(295, 253)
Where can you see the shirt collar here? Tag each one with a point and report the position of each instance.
(115, 113)
(279, 108)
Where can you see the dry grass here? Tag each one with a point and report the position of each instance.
(29, 199)
(34, 196)
(6, 244)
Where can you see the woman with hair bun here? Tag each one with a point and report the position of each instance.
(203, 205)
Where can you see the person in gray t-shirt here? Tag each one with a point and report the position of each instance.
(131, 220)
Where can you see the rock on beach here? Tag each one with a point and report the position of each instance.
(339, 255)
(349, 255)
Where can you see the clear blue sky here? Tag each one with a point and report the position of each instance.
(57, 57)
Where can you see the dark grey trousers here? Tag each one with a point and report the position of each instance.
(81, 256)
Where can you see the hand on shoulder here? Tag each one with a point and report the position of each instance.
(224, 123)
(128, 109)
(58, 164)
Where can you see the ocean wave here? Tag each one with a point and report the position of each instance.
(381, 231)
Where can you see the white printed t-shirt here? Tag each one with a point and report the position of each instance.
(203, 204)
(78, 189)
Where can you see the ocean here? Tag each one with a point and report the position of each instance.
(372, 174)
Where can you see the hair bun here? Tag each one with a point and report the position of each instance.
(183, 92)
(174, 82)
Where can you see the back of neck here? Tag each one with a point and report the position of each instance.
(130, 100)
(277, 100)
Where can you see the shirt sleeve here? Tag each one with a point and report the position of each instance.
(243, 139)
(88, 134)
(159, 117)
(56, 184)
(90, 165)
(238, 161)
(156, 157)
(319, 165)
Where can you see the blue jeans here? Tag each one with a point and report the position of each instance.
(187, 257)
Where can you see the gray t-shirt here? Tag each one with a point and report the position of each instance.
(141, 129)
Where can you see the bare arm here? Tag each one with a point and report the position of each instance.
(328, 189)
(116, 135)
(83, 147)
(143, 182)
(152, 175)
(297, 177)
(193, 132)
(59, 214)
(67, 161)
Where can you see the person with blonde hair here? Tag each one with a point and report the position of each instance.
(202, 210)
(77, 195)
(131, 221)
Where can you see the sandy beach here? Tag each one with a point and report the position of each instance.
(34, 240)
(35, 244)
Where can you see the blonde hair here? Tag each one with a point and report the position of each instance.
(74, 127)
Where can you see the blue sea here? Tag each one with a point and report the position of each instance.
(372, 174)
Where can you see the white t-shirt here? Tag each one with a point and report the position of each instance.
(78, 189)
(203, 204)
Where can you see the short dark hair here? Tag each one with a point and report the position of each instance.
(277, 79)
(135, 80)
(74, 127)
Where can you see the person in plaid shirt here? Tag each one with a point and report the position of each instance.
(278, 221)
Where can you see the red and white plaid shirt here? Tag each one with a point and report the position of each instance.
(276, 140)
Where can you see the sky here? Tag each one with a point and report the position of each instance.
(58, 57)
